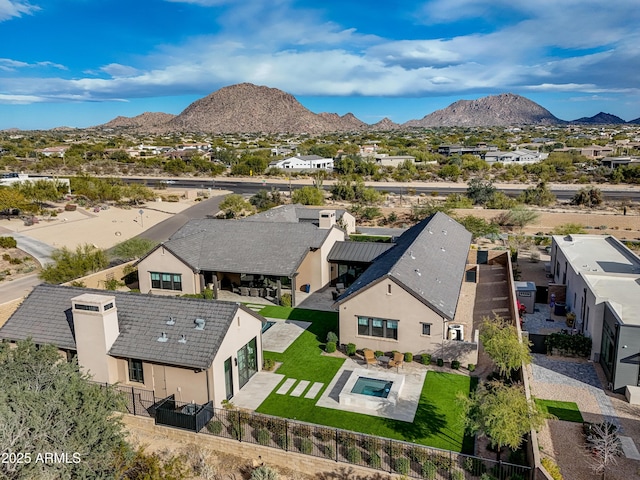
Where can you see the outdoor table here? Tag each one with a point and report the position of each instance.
(384, 360)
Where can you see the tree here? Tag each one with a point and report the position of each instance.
(10, 200)
(137, 193)
(518, 216)
(308, 196)
(264, 200)
(234, 205)
(478, 227)
(68, 265)
(41, 191)
(539, 195)
(588, 196)
(480, 191)
(501, 412)
(133, 248)
(47, 405)
(605, 446)
(501, 342)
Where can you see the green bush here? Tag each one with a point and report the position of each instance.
(440, 362)
(330, 347)
(285, 300)
(471, 367)
(354, 455)
(426, 358)
(5, 256)
(264, 473)
(351, 349)
(375, 461)
(455, 364)
(268, 364)
(569, 344)
(402, 466)
(457, 475)
(8, 242)
(378, 353)
(263, 436)
(429, 470)
(552, 467)
(408, 357)
(329, 451)
(347, 439)
(215, 427)
(306, 446)
(419, 454)
(332, 337)
(474, 466)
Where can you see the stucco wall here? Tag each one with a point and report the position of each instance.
(314, 270)
(162, 260)
(376, 301)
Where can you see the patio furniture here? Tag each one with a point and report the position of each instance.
(397, 360)
(244, 291)
(370, 357)
(384, 360)
(339, 287)
(254, 292)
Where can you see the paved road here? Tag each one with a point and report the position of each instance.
(39, 250)
(21, 287)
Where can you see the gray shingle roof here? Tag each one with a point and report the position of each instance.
(292, 213)
(361, 252)
(46, 317)
(429, 260)
(267, 248)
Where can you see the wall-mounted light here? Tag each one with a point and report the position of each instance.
(235, 361)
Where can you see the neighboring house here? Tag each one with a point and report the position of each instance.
(392, 160)
(54, 151)
(615, 162)
(407, 299)
(479, 150)
(593, 151)
(602, 281)
(8, 179)
(267, 258)
(298, 213)
(521, 156)
(197, 350)
(304, 162)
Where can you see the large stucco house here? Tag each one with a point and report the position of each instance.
(406, 299)
(257, 258)
(601, 280)
(197, 350)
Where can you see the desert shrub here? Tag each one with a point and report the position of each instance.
(214, 427)
(408, 357)
(429, 470)
(6, 257)
(263, 436)
(440, 362)
(471, 367)
(419, 454)
(269, 364)
(402, 465)
(330, 347)
(457, 475)
(375, 461)
(281, 440)
(332, 337)
(455, 364)
(347, 439)
(395, 450)
(552, 467)
(486, 476)
(354, 455)
(351, 349)
(264, 473)
(285, 300)
(443, 462)
(474, 466)
(306, 446)
(426, 358)
(303, 431)
(8, 242)
(378, 353)
(329, 451)
(372, 444)
(325, 434)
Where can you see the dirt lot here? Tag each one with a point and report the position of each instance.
(14, 264)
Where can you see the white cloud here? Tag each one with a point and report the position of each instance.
(118, 70)
(9, 65)
(15, 8)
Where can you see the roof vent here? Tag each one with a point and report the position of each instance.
(418, 272)
(429, 230)
(443, 249)
(413, 257)
(171, 321)
(183, 339)
(444, 231)
(199, 323)
(163, 337)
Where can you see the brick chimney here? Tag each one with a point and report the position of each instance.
(95, 321)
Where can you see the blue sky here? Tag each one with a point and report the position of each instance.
(80, 63)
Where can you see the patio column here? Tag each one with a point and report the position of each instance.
(278, 290)
(293, 290)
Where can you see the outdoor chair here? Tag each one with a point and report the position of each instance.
(370, 357)
(397, 360)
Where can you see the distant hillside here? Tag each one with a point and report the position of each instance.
(600, 119)
(498, 110)
(250, 108)
(145, 121)
(635, 122)
(384, 124)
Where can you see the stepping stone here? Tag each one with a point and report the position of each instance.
(629, 448)
(313, 391)
(286, 386)
(300, 388)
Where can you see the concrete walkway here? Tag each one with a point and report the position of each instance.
(39, 250)
(256, 390)
(282, 334)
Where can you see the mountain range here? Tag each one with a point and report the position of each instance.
(246, 108)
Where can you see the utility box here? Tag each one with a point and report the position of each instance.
(526, 295)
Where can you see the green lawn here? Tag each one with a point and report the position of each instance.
(567, 411)
(437, 422)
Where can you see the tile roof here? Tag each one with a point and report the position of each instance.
(257, 247)
(429, 260)
(46, 317)
(361, 252)
(292, 213)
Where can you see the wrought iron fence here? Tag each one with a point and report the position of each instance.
(388, 455)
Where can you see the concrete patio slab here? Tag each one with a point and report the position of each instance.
(629, 448)
(257, 389)
(407, 404)
(286, 386)
(282, 334)
(301, 387)
(313, 391)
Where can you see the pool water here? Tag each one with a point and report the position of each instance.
(372, 387)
